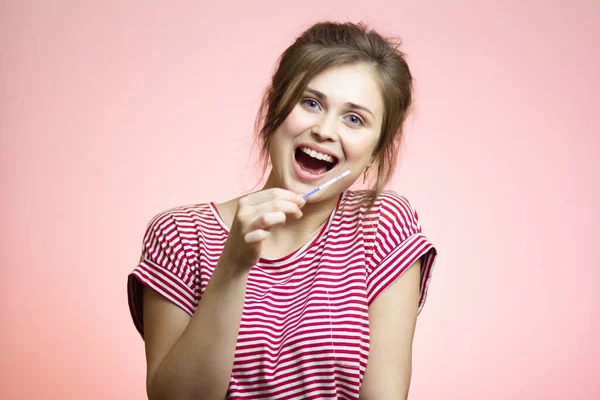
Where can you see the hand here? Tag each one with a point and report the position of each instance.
(256, 213)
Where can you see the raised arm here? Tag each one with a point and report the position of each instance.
(192, 357)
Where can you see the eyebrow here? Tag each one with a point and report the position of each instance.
(352, 105)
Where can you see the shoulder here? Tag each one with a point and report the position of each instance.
(391, 199)
(168, 224)
(388, 205)
(179, 213)
(395, 217)
(393, 205)
(172, 236)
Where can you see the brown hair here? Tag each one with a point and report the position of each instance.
(328, 44)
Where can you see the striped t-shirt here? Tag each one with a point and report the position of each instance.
(304, 331)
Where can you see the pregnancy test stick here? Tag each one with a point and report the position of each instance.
(323, 186)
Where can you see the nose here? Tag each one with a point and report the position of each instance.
(325, 128)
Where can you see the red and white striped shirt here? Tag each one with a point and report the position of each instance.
(304, 331)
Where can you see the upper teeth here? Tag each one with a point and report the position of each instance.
(317, 155)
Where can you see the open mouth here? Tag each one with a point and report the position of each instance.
(313, 162)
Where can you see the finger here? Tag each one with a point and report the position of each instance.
(256, 236)
(267, 220)
(272, 194)
(279, 205)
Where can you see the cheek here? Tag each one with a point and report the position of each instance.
(360, 148)
(297, 122)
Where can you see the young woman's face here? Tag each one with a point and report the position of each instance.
(335, 127)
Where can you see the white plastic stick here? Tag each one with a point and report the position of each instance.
(323, 186)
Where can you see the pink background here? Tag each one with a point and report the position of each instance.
(113, 111)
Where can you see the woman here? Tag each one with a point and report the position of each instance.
(270, 295)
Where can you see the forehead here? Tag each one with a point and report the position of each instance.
(354, 83)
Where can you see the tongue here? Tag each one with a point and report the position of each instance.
(310, 164)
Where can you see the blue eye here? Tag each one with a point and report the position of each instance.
(355, 120)
(311, 104)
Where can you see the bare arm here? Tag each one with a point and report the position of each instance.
(192, 358)
(392, 320)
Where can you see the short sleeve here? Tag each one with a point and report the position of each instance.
(166, 267)
(398, 243)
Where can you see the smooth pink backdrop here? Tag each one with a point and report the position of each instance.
(113, 111)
